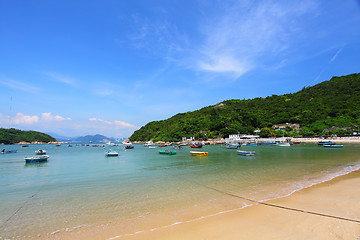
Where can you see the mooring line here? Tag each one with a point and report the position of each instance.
(281, 207)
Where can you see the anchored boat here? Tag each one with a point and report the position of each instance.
(195, 153)
(42, 158)
(333, 146)
(167, 152)
(111, 153)
(40, 152)
(246, 153)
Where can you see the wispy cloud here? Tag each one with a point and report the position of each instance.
(115, 122)
(242, 36)
(158, 35)
(61, 78)
(336, 54)
(17, 85)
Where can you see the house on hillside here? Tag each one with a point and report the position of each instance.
(283, 126)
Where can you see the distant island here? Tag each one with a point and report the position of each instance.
(12, 136)
(328, 108)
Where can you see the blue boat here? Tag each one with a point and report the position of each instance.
(246, 153)
(8, 151)
(333, 146)
(326, 143)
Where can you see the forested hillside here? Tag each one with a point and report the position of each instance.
(11, 136)
(331, 103)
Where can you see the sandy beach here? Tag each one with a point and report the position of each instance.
(338, 199)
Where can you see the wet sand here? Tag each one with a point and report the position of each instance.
(338, 198)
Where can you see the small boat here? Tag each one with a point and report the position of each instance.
(111, 153)
(42, 158)
(162, 145)
(129, 146)
(8, 151)
(40, 152)
(167, 152)
(326, 143)
(232, 146)
(246, 153)
(149, 143)
(196, 145)
(333, 146)
(195, 153)
(283, 144)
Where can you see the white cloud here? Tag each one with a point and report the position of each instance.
(19, 85)
(20, 118)
(49, 117)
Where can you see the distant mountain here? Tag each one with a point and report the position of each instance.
(92, 138)
(333, 104)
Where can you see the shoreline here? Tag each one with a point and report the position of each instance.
(245, 223)
(270, 222)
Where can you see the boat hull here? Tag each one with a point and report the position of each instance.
(194, 153)
(43, 158)
(245, 153)
(333, 146)
(167, 152)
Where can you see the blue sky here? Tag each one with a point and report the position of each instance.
(109, 67)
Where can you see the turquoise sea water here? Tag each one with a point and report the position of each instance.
(79, 186)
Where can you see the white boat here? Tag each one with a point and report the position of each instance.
(246, 153)
(149, 144)
(111, 153)
(40, 152)
(111, 144)
(42, 158)
(283, 144)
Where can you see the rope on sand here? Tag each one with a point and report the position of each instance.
(282, 207)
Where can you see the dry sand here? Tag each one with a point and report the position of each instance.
(339, 198)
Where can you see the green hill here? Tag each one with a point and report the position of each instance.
(334, 103)
(11, 136)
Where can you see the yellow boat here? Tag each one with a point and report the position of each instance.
(195, 153)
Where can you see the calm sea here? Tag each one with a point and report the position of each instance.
(79, 186)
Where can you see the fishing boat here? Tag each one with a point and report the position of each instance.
(195, 153)
(111, 153)
(8, 151)
(196, 145)
(333, 146)
(246, 153)
(40, 152)
(167, 152)
(42, 158)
